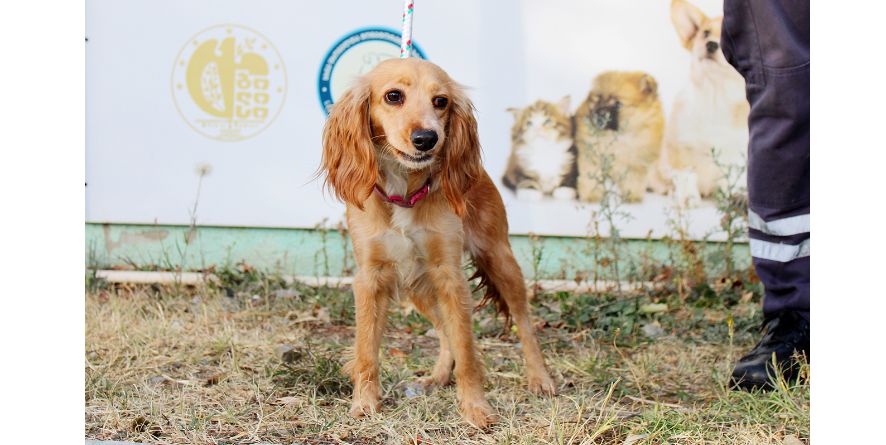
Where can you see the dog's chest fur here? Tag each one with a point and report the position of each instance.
(405, 249)
(406, 239)
(707, 116)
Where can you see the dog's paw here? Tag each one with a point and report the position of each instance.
(542, 384)
(564, 194)
(364, 406)
(686, 189)
(691, 201)
(478, 413)
(592, 195)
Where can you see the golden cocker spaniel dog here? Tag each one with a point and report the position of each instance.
(401, 149)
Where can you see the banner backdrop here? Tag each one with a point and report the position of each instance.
(237, 92)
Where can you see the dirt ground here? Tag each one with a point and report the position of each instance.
(257, 360)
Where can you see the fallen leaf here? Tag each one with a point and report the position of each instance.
(634, 438)
(665, 275)
(323, 315)
(214, 379)
(288, 401)
(157, 379)
(289, 353)
(142, 425)
(792, 440)
(554, 307)
(398, 353)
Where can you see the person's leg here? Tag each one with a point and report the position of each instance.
(767, 41)
(780, 251)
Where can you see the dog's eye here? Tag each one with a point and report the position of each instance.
(440, 102)
(394, 97)
(706, 33)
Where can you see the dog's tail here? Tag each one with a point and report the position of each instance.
(491, 293)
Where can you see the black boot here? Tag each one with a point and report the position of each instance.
(783, 334)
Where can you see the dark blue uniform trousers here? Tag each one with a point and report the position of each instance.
(767, 41)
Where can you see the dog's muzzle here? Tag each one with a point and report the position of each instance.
(605, 117)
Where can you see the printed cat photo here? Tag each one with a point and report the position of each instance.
(542, 159)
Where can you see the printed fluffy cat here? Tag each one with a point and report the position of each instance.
(542, 160)
(621, 120)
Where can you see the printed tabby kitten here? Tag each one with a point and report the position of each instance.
(542, 160)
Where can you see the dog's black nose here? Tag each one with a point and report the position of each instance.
(424, 140)
(713, 46)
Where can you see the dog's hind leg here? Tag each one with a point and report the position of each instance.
(502, 272)
(486, 234)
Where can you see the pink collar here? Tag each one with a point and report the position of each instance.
(405, 202)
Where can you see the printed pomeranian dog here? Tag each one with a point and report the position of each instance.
(542, 160)
(621, 120)
(710, 113)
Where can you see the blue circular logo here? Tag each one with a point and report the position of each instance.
(354, 55)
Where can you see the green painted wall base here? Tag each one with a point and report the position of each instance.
(327, 252)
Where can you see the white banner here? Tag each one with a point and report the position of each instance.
(237, 91)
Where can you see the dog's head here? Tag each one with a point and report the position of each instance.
(614, 93)
(408, 111)
(700, 35)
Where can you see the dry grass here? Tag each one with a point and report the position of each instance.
(261, 363)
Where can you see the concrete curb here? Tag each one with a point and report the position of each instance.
(196, 278)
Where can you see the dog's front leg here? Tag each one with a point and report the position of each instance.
(372, 291)
(455, 305)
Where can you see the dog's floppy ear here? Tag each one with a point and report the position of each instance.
(460, 166)
(687, 20)
(348, 161)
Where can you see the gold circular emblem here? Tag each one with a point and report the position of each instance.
(228, 82)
